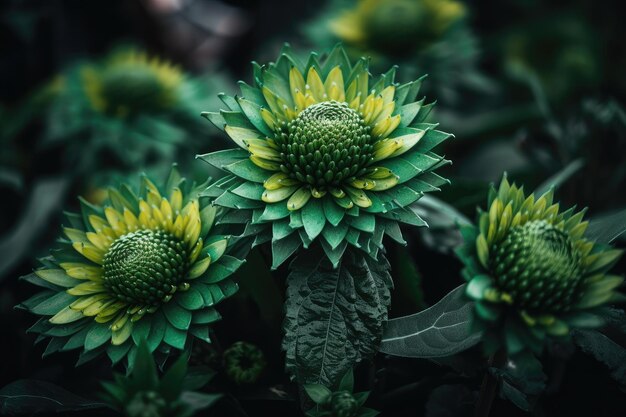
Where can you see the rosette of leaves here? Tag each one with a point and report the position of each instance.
(144, 265)
(532, 272)
(143, 394)
(327, 154)
(340, 403)
(423, 36)
(128, 108)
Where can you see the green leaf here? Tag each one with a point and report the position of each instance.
(144, 372)
(172, 382)
(441, 330)
(334, 317)
(29, 397)
(607, 228)
(347, 382)
(196, 401)
(556, 180)
(317, 392)
(604, 350)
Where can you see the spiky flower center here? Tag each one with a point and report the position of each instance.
(343, 404)
(327, 144)
(145, 267)
(539, 266)
(133, 88)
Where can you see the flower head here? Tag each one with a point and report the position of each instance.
(143, 394)
(131, 82)
(143, 266)
(325, 150)
(340, 403)
(396, 26)
(244, 363)
(531, 270)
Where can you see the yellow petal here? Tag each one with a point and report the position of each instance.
(280, 194)
(66, 315)
(334, 85)
(86, 288)
(274, 182)
(99, 240)
(315, 86)
(176, 200)
(75, 235)
(264, 163)
(296, 82)
(82, 271)
(89, 251)
(199, 267)
(299, 198)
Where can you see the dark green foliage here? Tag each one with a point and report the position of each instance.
(334, 317)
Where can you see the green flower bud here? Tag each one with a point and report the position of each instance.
(146, 404)
(244, 363)
(343, 404)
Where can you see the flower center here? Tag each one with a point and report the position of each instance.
(133, 88)
(327, 144)
(145, 267)
(539, 266)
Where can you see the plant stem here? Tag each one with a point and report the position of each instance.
(490, 385)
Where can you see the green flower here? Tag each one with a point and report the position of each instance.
(129, 109)
(144, 265)
(144, 394)
(327, 153)
(131, 82)
(244, 363)
(396, 26)
(340, 403)
(532, 272)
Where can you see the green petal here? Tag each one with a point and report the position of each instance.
(191, 299)
(98, 335)
(477, 286)
(177, 316)
(313, 218)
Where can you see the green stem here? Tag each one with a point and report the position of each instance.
(490, 385)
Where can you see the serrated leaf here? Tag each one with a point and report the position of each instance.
(334, 317)
(441, 330)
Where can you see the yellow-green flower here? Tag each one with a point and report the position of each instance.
(396, 25)
(131, 82)
(326, 150)
(142, 266)
(532, 271)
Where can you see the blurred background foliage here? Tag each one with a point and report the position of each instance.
(533, 88)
